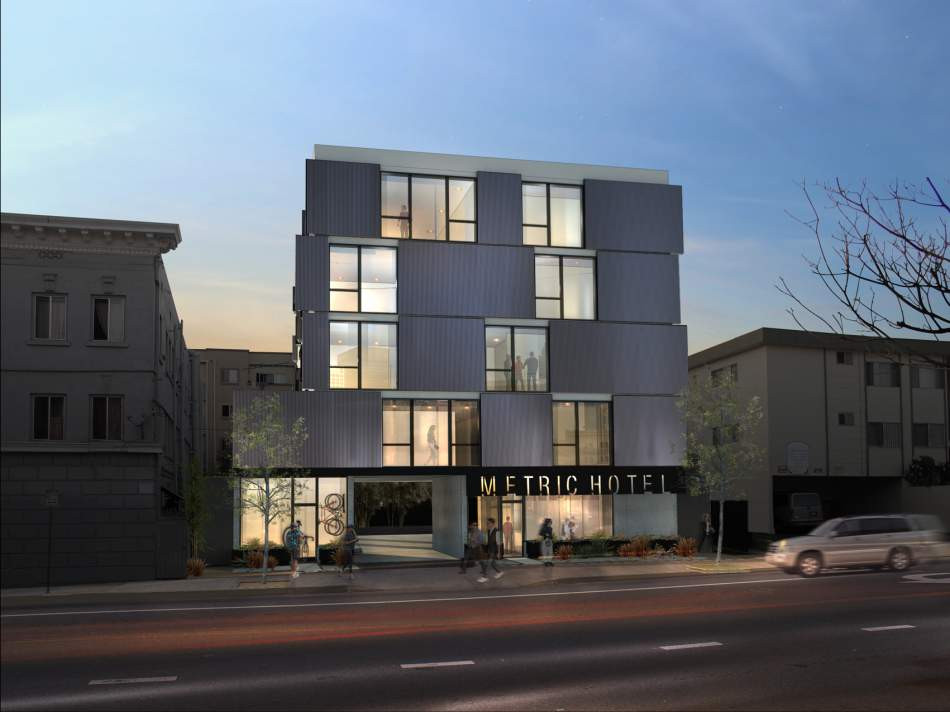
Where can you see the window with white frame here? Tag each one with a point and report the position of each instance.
(108, 319)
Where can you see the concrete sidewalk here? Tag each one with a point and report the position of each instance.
(440, 578)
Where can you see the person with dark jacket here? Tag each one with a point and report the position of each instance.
(492, 549)
(474, 551)
(547, 542)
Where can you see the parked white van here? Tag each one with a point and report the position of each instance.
(894, 540)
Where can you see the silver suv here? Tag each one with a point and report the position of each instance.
(894, 540)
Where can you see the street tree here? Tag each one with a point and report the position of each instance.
(264, 444)
(720, 447)
(884, 260)
(196, 510)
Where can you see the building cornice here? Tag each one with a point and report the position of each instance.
(87, 235)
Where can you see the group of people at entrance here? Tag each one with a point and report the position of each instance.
(525, 372)
(483, 547)
(297, 544)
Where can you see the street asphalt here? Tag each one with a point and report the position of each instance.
(765, 640)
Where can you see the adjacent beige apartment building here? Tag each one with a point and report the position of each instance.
(844, 417)
(224, 371)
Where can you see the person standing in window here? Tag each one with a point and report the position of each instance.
(509, 530)
(519, 374)
(433, 443)
(531, 366)
(404, 222)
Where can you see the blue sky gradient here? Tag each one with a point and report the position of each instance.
(202, 113)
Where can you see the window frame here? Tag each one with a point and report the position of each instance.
(560, 278)
(225, 381)
(359, 277)
(883, 439)
(448, 221)
(870, 374)
(915, 378)
(511, 371)
(226, 414)
(49, 297)
(929, 429)
(359, 354)
(47, 396)
(846, 419)
(547, 211)
(92, 422)
(125, 320)
(412, 431)
(577, 431)
(844, 358)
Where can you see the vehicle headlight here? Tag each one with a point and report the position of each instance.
(782, 544)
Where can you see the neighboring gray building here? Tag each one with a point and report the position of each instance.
(844, 417)
(98, 401)
(523, 365)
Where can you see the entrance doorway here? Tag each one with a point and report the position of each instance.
(393, 507)
(509, 515)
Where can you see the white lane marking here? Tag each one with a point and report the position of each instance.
(888, 627)
(133, 680)
(190, 609)
(686, 646)
(928, 578)
(449, 663)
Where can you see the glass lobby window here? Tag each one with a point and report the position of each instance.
(564, 287)
(48, 417)
(108, 319)
(552, 215)
(363, 279)
(428, 207)
(572, 516)
(106, 417)
(516, 358)
(428, 433)
(581, 433)
(254, 530)
(49, 317)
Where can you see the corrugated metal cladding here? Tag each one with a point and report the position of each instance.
(499, 208)
(647, 431)
(466, 280)
(344, 427)
(311, 274)
(638, 287)
(600, 357)
(516, 429)
(633, 216)
(441, 354)
(315, 351)
(343, 198)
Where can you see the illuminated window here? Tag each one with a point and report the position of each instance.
(430, 433)
(552, 215)
(363, 279)
(581, 433)
(516, 358)
(362, 354)
(564, 287)
(427, 207)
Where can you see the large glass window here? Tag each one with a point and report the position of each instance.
(564, 287)
(428, 207)
(344, 354)
(552, 215)
(48, 417)
(106, 417)
(428, 433)
(884, 435)
(516, 358)
(363, 279)
(923, 377)
(108, 319)
(254, 530)
(581, 433)
(49, 317)
(572, 516)
(882, 374)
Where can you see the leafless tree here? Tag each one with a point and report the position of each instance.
(884, 262)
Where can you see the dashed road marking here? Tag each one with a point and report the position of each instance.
(133, 680)
(879, 628)
(686, 646)
(448, 663)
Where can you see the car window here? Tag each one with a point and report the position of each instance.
(825, 528)
(876, 525)
(849, 527)
(899, 524)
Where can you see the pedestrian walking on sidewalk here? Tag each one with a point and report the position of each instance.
(547, 542)
(348, 543)
(707, 532)
(293, 546)
(474, 551)
(492, 547)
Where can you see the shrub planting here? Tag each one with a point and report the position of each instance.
(195, 566)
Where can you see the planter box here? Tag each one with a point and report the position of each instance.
(326, 555)
(532, 549)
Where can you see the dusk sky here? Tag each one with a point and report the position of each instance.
(202, 114)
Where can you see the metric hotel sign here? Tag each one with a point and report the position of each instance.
(579, 482)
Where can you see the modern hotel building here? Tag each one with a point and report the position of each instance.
(503, 334)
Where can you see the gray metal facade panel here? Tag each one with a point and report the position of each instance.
(516, 429)
(499, 208)
(441, 354)
(603, 357)
(344, 428)
(315, 351)
(311, 275)
(647, 431)
(638, 287)
(343, 198)
(633, 216)
(441, 279)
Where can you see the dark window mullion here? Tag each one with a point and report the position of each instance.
(560, 276)
(577, 434)
(409, 210)
(547, 199)
(451, 435)
(359, 279)
(511, 355)
(448, 226)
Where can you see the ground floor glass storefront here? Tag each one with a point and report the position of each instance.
(573, 517)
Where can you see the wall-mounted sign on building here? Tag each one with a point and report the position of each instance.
(796, 458)
(663, 480)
